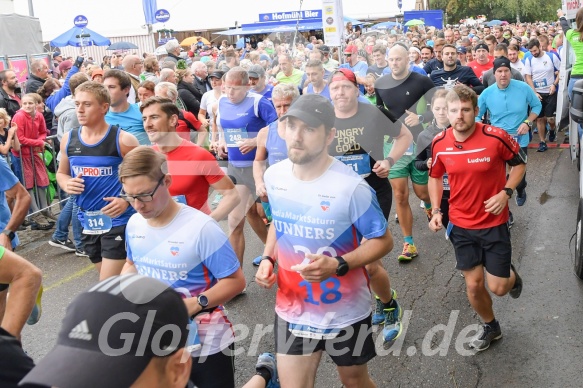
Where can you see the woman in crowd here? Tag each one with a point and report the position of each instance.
(145, 91)
(187, 92)
(32, 132)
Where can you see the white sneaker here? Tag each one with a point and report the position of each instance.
(422, 206)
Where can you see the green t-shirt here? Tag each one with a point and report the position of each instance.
(295, 77)
(573, 38)
(2, 249)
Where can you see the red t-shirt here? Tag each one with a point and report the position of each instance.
(477, 171)
(480, 69)
(182, 128)
(193, 170)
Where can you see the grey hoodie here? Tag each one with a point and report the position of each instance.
(65, 111)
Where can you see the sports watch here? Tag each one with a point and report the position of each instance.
(342, 268)
(508, 191)
(9, 233)
(203, 301)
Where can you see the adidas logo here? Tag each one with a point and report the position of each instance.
(81, 332)
(118, 238)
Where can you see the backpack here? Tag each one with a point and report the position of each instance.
(550, 54)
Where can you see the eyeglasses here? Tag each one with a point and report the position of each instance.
(141, 197)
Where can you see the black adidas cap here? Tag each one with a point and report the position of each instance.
(312, 109)
(100, 343)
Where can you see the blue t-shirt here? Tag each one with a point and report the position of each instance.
(276, 146)
(7, 181)
(359, 70)
(510, 107)
(243, 121)
(130, 121)
(265, 92)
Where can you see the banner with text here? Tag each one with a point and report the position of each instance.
(332, 22)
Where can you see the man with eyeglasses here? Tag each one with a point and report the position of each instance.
(90, 156)
(133, 66)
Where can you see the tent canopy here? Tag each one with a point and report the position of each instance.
(69, 38)
(24, 32)
(280, 26)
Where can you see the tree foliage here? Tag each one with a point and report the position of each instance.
(510, 10)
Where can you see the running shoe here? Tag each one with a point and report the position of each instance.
(216, 201)
(422, 205)
(489, 334)
(409, 252)
(49, 216)
(542, 147)
(81, 252)
(520, 199)
(510, 220)
(37, 310)
(517, 289)
(268, 361)
(393, 327)
(257, 261)
(378, 316)
(535, 130)
(552, 136)
(63, 244)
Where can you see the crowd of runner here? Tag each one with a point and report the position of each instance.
(306, 143)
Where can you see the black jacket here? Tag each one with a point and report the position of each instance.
(201, 85)
(8, 103)
(190, 96)
(33, 84)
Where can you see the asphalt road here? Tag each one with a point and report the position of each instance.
(541, 330)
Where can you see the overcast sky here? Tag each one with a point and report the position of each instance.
(126, 17)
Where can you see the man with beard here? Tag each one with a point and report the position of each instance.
(323, 291)
(9, 99)
(475, 155)
(453, 74)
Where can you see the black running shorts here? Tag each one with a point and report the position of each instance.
(111, 245)
(353, 345)
(488, 247)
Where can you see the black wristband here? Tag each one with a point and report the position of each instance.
(390, 160)
(271, 260)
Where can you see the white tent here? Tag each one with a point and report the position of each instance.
(21, 35)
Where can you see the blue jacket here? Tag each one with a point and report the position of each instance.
(54, 99)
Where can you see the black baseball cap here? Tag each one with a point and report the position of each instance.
(312, 109)
(323, 48)
(100, 342)
(217, 74)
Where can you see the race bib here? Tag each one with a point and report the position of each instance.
(180, 199)
(360, 163)
(540, 84)
(233, 136)
(410, 150)
(307, 331)
(445, 182)
(95, 222)
(193, 340)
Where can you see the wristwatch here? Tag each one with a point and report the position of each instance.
(508, 191)
(421, 119)
(203, 301)
(9, 233)
(528, 122)
(342, 268)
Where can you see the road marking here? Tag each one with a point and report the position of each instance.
(69, 278)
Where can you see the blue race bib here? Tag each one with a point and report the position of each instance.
(445, 182)
(235, 135)
(360, 163)
(180, 199)
(95, 222)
